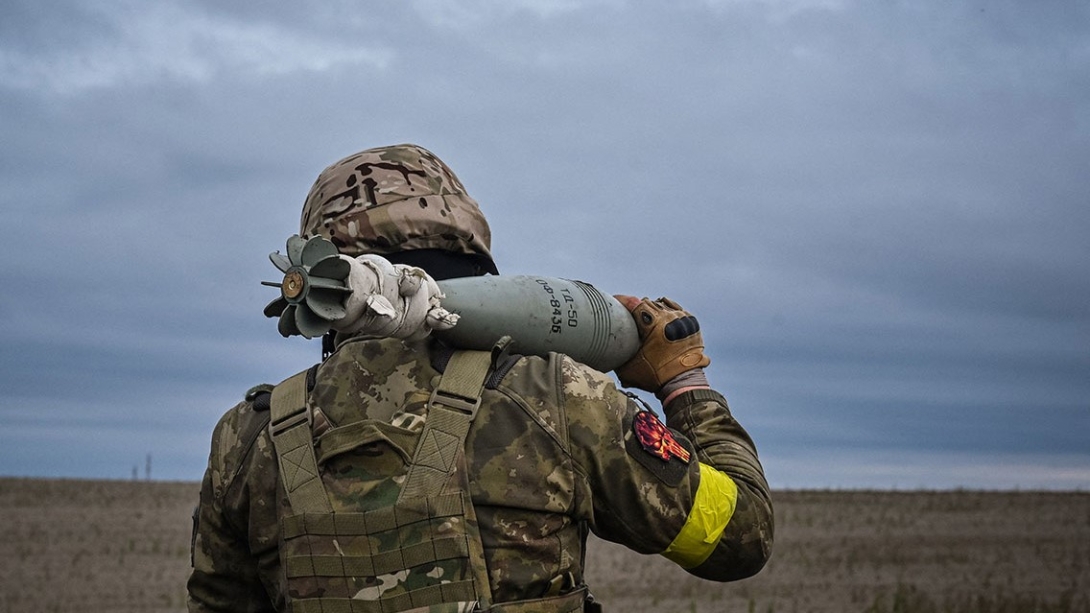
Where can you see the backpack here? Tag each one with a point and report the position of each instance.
(378, 518)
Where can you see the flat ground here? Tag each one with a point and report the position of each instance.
(109, 546)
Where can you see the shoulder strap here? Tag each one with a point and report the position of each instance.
(436, 484)
(451, 409)
(441, 449)
(289, 428)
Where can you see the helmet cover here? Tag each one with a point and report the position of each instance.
(391, 199)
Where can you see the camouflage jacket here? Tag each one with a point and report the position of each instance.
(555, 450)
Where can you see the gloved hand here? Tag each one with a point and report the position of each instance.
(670, 344)
(391, 301)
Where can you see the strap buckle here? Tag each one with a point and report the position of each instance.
(295, 418)
(461, 404)
(288, 404)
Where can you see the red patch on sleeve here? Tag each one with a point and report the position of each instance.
(656, 439)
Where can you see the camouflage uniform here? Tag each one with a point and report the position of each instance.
(556, 449)
(551, 454)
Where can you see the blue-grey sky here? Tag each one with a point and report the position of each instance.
(879, 210)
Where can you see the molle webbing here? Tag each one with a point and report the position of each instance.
(373, 522)
(444, 598)
(432, 522)
(421, 514)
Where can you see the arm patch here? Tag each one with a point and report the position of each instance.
(662, 451)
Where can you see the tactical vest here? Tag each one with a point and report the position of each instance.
(379, 518)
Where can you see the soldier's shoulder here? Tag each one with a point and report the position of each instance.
(555, 386)
(237, 435)
(580, 380)
(556, 371)
(240, 421)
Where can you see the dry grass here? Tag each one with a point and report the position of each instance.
(929, 552)
(124, 546)
(94, 545)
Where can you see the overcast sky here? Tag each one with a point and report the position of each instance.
(879, 210)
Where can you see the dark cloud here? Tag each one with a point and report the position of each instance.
(878, 210)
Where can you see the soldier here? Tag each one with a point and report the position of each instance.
(405, 475)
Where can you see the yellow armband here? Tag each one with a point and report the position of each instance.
(712, 509)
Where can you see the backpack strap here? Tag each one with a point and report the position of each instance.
(439, 453)
(451, 409)
(289, 428)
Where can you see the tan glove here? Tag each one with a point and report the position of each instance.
(670, 343)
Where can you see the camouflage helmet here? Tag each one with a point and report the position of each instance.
(395, 199)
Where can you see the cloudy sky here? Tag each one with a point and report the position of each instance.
(879, 210)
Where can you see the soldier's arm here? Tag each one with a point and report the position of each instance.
(705, 470)
(225, 575)
(695, 494)
(722, 445)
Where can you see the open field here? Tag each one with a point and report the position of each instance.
(108, 546)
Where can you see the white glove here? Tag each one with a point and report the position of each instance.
(391, 301)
